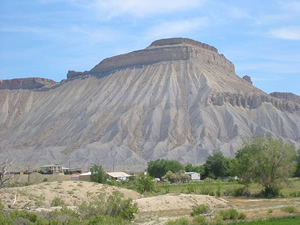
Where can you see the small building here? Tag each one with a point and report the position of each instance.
(56, 168)
(53, 168)
(118, 176)
(85, 176)
(194, 176)
(75, 177)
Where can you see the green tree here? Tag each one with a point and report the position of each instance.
(145, 184)
(98, 174)
(170, 177)
(266, 161)
(216, 165)
(297, 171)
(190, 168)
(158, 168)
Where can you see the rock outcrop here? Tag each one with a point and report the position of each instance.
(248, 79)
(177, 99)
(253, 101)
(165, 50)
(287, 96)
(26, 83)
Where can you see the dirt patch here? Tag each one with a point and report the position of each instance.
(178, 202)
(71, 193)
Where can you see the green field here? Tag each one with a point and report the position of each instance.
(224, 188)
(289, 220)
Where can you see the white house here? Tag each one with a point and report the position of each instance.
(53, 168)
(85, 176)
(194, 176)
(118, 175)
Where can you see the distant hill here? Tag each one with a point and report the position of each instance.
(177, 99)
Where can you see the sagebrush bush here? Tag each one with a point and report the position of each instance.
(199, 220)
(57, 202)
(270, 210)
(114, 206)
(209, 180)
(191, 188)
(113, 211)
(242, 216)
(229, 214)
(289, 209)
(207, 191)
(201, 209)
(179, 221)
(295, 194)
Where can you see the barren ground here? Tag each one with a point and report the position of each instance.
(152, 210)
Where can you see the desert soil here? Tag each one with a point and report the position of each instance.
(152, 210)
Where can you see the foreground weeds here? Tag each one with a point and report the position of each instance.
(114, 210)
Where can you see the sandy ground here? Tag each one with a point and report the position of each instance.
(152, 210)
(72, 193)
(178, 202)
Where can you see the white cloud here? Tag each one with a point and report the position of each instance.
(108, 9)
(174, 28)
(286, 33)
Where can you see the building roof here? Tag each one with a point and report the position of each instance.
(86, 174)
(189, 173)
(118, 174)
(51, 165)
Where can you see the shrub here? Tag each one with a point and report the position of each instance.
(114, 206)
(179, 221)
(105, 220)
(295, 194)
(167, 188)
(200, 210)
(145, 184)
(270, 210)
(208, 180)
(240, 191)
(25, 215)
(207, 191)
(218, 192)
(57, 202)
(132, 178)
(191, 188)
(289, 209)
(218, 220)
(242, 216)
(229, 214)
(200, 220)
(231, 179)
(1, 205)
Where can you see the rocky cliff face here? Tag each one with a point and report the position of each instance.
(133, 108)
(286, 96)
(26, 83)
(166, 50)
(248, 79)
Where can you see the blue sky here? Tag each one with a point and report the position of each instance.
(46, 38)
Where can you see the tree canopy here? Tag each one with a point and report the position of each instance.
(297, 172)
(216, 165)
(191, 168)
(266, 161)
(160, 167)
(98, 174)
